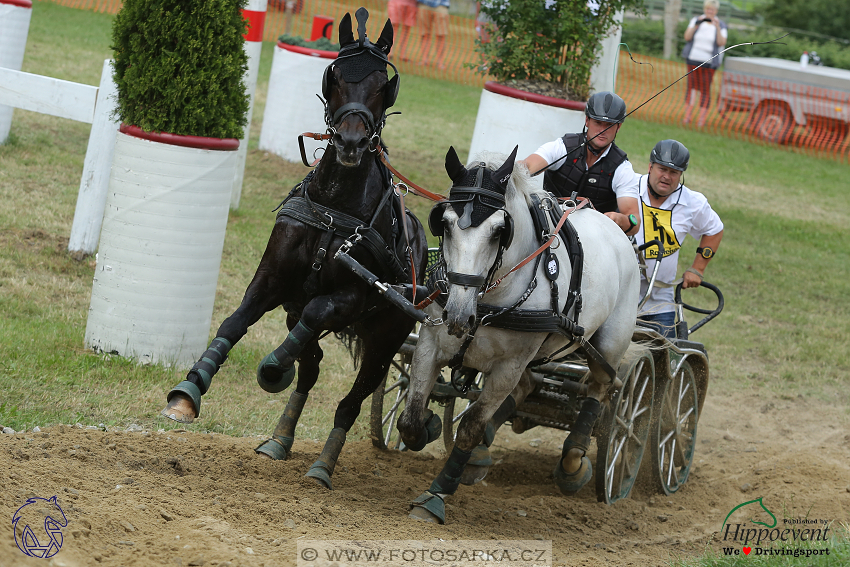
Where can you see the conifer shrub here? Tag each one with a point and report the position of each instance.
(179, 66)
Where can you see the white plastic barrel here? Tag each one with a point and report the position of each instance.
(14, 26)
(160, 251)
(505, 120)
(291, 104)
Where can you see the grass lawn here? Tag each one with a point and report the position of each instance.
(782, 265)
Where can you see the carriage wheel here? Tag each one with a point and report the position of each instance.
(388, 402)
(454, 411)
(625, 430)
(674, 437)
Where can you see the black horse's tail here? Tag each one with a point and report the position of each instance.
(353, 343)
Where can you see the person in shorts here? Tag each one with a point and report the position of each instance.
(402, 14)
(434, 15)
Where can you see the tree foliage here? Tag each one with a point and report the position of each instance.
(827, 17)
(557, 41)
(179, 66)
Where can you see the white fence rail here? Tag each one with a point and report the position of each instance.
(83, 103)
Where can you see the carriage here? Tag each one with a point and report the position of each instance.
(656, 401)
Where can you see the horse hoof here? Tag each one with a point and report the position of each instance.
(180, 408)
(473, 474)
(477, 467)
(272, 449)
(320, 476)
(434, 426)
(428, 507)
(570, 483)
(272, 376)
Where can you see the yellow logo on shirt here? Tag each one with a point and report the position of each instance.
(658, 223)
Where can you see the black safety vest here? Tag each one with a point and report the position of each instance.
(595, 183)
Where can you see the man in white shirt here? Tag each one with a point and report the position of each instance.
(670, 211)
(592, 165)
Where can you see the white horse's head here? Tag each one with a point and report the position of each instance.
(476, 230)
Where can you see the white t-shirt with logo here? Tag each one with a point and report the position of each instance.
(684, 212)
(625, 180)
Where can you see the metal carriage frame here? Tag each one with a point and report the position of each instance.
(655, 402)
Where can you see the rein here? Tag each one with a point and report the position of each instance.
(411, 186)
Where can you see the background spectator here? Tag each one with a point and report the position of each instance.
(705, 36)
(434, 14)
(402, 14)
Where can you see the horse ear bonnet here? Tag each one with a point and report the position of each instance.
(475, 195)
(358, 59)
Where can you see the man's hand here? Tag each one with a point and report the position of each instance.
(691, 279)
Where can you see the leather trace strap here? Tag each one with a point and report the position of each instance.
(581, 203)
(314, 136)
(413, 187)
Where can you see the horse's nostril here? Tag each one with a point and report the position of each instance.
(337, 140)
(362, 143)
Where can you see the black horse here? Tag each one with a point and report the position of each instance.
(346, 201)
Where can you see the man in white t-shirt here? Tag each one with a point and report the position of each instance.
(670, 211)
(592, 165)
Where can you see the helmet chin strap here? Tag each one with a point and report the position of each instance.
(590, 147)
(658, 195)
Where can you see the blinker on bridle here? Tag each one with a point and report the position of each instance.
(465, 221)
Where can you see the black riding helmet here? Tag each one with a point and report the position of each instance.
(606, 106)
(670, 153)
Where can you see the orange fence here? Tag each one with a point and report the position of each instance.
(806, 118)
(803, 117)
(460, 42)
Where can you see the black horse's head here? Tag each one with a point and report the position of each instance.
(358, 91)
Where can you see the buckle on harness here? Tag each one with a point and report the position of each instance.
(320, 257)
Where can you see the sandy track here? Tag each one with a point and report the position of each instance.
(181, 498)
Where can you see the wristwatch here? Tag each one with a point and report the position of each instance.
(706, 252)
(632, 222)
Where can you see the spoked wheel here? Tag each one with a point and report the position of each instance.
(625, 430)
(389, 400)
(454, 411)
(674, 435)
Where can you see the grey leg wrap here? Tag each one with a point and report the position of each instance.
(504, 412)
(277, 369)
(203, 371)
(579, 436)
(449, 478)
(279, 447)
(324, 466)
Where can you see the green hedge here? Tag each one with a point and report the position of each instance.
(646, 37)
(179, 66)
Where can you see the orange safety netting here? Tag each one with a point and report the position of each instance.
(804, 117)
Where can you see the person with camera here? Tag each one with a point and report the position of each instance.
(592, 165)
(670, 212)
(705, 36)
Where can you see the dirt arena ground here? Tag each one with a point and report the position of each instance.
(179, 498)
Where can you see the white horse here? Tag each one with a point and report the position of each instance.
(487, 230)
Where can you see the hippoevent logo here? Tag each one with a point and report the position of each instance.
(754, 539)
(34, 536)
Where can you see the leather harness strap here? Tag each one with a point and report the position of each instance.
(413, 187)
